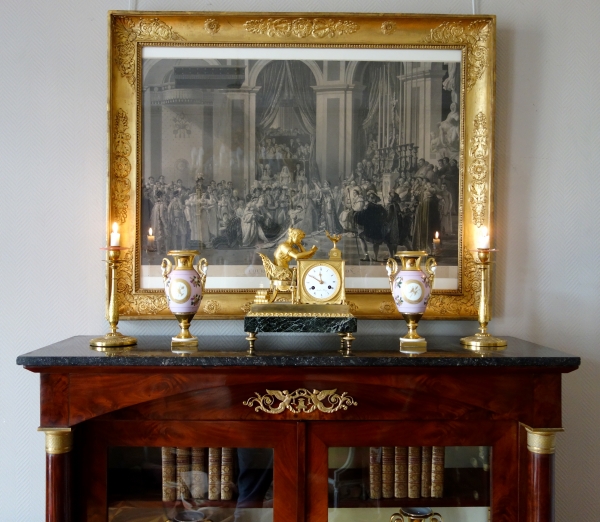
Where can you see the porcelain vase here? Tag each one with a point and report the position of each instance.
(184, 286)
(411, 286)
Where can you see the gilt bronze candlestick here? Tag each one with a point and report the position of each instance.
(113, 339)
(482, 341)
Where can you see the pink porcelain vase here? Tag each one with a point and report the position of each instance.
(184, 285)
(411, 288)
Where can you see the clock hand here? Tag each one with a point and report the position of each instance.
(320, 281)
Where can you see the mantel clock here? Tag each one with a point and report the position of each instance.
(322, 281)
(310, 297)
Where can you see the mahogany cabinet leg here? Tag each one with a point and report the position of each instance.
(540, 483)
(59, 442)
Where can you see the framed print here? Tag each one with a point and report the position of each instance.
(227, 129)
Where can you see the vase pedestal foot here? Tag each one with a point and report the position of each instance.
(412, 342)
(413, 345)
(185, 342)
(184, 345)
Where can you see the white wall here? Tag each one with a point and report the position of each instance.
(53, 168)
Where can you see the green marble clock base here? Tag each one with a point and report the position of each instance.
(289, 318)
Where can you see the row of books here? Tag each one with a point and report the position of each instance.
(199, 473)
(406, 472)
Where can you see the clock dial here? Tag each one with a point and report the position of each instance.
(321, 282)
(413, 291)
(179, 290)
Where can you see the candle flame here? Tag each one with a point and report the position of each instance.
(150, 232)
(437, 235)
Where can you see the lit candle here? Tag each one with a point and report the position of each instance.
(150, 240)
(436, 242)
(115, 237)
(483, 239)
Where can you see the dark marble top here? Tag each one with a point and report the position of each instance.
(297, 350)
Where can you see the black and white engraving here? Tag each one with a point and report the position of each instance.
(237, 151)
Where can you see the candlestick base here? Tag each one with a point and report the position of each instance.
(112, 340)
(483, 342)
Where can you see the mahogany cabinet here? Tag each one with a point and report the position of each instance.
(315, 436)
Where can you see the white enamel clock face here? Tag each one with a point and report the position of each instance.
(321, 282)
(412, 291)
(179, 290)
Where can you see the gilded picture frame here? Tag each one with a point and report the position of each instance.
(139, 40)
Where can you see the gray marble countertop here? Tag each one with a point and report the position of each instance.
(296, 350)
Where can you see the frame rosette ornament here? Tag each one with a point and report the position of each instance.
(300, 401)
(301, 27)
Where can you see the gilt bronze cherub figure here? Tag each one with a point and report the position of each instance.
(281, 276)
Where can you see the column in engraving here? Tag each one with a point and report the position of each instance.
(59, 442)
(540, 482)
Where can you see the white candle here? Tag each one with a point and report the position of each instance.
(150, 240)
(115, 237)
(483, 239)
(436, 241)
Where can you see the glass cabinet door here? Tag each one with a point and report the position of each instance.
(382, 471)
(184, 471)
(450, 484)
(158, 484)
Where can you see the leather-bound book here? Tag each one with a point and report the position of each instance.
(426, 471)
(226, 473)
(401, 472)
(375, 473)
(387, 472)
(214, 473)
(199, 486)
(184, 469)
(414, 471)
(438, 456)
(169, 474)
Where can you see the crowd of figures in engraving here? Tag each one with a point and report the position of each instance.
(215, 215)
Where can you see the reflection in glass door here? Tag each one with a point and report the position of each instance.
(432, 483)
(153, 484)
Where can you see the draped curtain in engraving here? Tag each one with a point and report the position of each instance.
(274, 84)
(284, 82)
(383, 95)
(374, 96)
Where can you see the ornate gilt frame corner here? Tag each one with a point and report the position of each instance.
(129, 31)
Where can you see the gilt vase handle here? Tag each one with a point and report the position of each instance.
(203, 271)
(430, 267)
(392, 269)
(166, 266)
